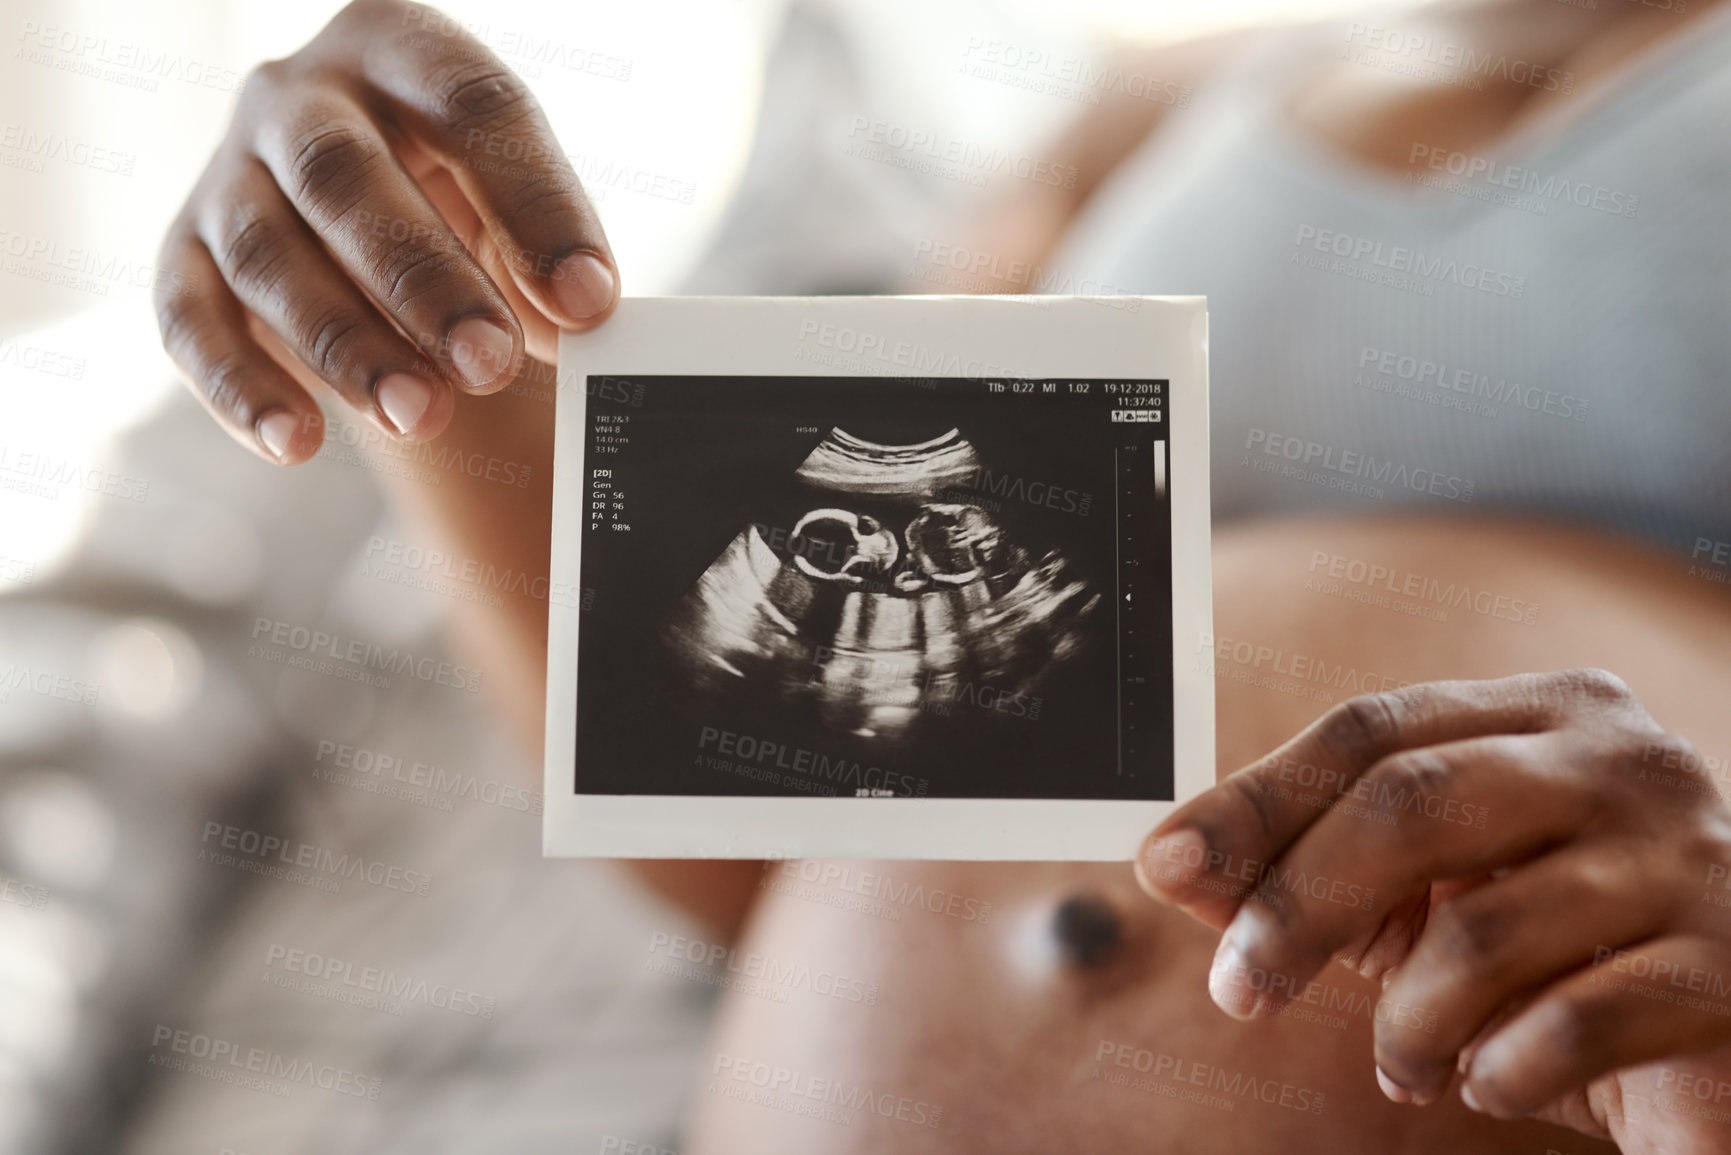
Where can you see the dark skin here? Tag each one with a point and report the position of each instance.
(1496, 931)
(342, 249)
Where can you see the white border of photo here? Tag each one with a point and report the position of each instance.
(1028, 337)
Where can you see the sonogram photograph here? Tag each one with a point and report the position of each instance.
(871, 587)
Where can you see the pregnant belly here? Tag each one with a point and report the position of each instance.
(1051, 1007)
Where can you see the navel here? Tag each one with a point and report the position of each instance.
(1089, 930)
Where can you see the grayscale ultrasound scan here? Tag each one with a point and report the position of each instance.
(874, 588)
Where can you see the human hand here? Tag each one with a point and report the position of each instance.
(1531, 867)
(390, 216)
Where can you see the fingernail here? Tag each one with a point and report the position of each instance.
(583, 285)
(1394, 1090)
(404, 398)
(1174, 859)
(481, 350)
(1229, 983)
(1494, 1064)
(276, 430)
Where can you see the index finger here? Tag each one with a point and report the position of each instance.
(479, 119)
(1207, 857)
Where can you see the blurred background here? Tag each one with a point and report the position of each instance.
(148, 733)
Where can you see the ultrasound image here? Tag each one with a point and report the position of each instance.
(866, 587)
(879, 620)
